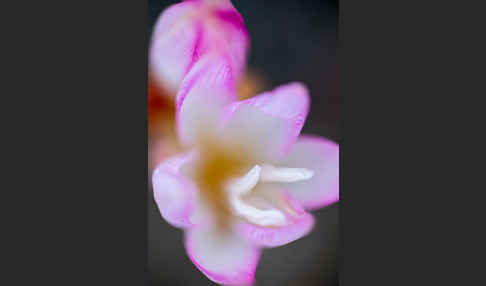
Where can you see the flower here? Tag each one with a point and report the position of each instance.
(247, 179)
(189, 30)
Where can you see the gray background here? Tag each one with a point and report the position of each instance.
(290, 41)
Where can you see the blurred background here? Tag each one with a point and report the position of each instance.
(291, 40)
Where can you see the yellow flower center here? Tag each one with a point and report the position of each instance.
(216, 166)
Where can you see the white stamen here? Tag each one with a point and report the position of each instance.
(270, 173)
(257, 216)
(244, 185)
(266, 173)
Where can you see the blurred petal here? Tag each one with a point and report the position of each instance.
(298, 222)
(267, 125)
(232, 37)
(204, 93)
(174, 194)
(174, 44)
(188, 31)
(321, 156)
(230, 16)
(222, 256)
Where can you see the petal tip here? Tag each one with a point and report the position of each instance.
(242, 273)
(322, 156)
(278, 236)
(173, 193)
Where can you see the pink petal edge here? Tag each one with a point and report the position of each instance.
(210, 85)
(174, 194)
(288, 103)
(321, 155)
(244, 276)
(278, 236)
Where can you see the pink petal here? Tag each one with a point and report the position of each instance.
(235, 38)
(228, 42)
(174, 44)
(204, 93)
(223, 257)
(269, 123)
(174, 194)
(188, 31)
(321, 156)
(299, 222)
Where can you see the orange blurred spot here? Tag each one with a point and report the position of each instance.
(160, 103)
(161, 124)
(250, 85)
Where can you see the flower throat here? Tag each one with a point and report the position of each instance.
(217, 165)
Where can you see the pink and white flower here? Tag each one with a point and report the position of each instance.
(248, 178)
(187, 31)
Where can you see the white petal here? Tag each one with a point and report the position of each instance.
(223, 257)
(268, 124)
(203, 95)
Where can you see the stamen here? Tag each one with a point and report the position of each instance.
(257, 216)
(244, 185)
(270, 173)
(265, 173)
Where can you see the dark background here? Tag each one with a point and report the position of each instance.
(290, 41)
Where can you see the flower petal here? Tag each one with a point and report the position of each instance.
(204, 93)
(222, 256)
(229, 34)
(298, 223)
(174, 44)
(188, 31)
(174, 194)
(321, 156)
(268, 124)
